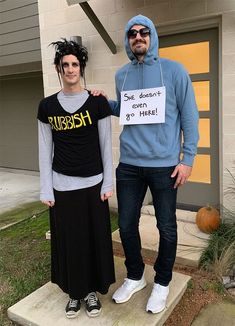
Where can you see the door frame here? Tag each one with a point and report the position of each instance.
(185, 200)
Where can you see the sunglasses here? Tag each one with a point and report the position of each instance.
(144, 32)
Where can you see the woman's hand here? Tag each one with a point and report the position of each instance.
(106, 195)
(49, 203)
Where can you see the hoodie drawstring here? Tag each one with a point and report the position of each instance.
(141, 79)
(162, 80)
(142, 86)
(124, 80)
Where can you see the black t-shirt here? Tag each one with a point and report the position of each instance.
(75, 135)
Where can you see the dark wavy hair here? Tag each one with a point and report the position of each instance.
(66, 47)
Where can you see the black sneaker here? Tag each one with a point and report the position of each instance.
(73, 308)
(93, 305)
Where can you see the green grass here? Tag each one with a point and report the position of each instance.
(219, 256)
(25, 260)
(114, 220)
(218, 240)
(214, 286)
(190, 285)
(20, 213)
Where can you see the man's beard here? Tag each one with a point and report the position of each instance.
(140, 51)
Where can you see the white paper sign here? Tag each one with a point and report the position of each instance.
(143, 106)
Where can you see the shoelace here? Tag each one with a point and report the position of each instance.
(73, 303)
(92, 299)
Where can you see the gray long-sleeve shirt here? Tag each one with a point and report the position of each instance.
(50, 179)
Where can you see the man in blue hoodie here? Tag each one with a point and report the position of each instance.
(150, 153)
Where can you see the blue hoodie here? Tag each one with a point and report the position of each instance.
(159, 144)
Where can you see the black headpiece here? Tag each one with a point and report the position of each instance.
(66, 47)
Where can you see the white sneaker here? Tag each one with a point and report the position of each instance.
(128, 288)
(157, 299)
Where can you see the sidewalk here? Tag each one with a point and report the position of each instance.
(217, 314)
(17, 188)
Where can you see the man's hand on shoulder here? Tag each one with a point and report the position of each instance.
(182, 173)
(97, 92)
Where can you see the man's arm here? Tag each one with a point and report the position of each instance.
(189, 118)
(114, 105)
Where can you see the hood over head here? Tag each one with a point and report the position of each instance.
(152, 53)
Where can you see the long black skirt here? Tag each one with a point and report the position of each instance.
(81, 243)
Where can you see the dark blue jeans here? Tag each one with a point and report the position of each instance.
(132, 184)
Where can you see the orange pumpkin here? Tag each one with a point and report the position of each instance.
(208, 219)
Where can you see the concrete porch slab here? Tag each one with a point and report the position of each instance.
(182, 215)
(191, 241)
(45, 306)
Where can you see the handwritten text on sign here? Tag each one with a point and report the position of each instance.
(143, 106)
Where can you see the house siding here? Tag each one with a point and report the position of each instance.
(19, 32)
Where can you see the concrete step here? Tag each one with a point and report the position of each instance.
(45, 306)
(191, 241)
